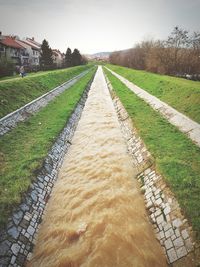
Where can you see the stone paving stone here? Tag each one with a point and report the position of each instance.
(13, 232)
(173, 237)
(29, 256)
(161, 235)
(168, 233)
(153, 218)
(18, 217)
(160, 227)
(27, 216)
(178, 242)
(149, 204)
(158, 201)
(157, 191)
(167, 210)
(32, 224)
(157, 213)
(152, 173)
(181, 252)
(163, 205)
(185, 234)
(13, 259)
(168, 218)
(177, 232)
(176, 223)
(15, 248)
(154, 178)
(153, 189)
(160, 219)
(147, 171)
(20, 259)
(24, 223)
(167, 226)
(168, 243)
(150, 183)
(150, 194)
(188, 245)
(171, 253)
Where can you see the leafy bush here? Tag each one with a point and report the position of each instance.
(7, 67)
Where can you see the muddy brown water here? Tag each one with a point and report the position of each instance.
(96, 215)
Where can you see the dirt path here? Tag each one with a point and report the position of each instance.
(96, 215)
(182, 122)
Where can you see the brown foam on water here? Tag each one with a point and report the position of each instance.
(96, 215)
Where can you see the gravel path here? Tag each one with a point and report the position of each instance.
(182, 122)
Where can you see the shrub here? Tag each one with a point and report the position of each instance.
(7, 67)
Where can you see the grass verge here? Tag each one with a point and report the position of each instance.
(181, 94)
(24, 148)
(176, 157)
(16, 92)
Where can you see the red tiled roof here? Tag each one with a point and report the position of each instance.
(10, 41)
(24, 45)
(34, 46)
(32, 40)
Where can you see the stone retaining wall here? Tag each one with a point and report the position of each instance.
(11, 120)
(18, 239)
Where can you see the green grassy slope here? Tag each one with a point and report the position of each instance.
(182, 94)
(25, 147)
(16, 92)
(176, 157)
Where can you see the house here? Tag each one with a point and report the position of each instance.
(58, 58)
(11, 49)
(34, 49)
(26, 52)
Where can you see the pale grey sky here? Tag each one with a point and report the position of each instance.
(97, 25)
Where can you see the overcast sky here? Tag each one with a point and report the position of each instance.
(97, 25)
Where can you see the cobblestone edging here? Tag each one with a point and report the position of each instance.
(171, 228)
(10, 121)
(18, 239)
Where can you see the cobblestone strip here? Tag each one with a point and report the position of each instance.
(18, 239)
(176, 118)
(171, 228)
(11, 120)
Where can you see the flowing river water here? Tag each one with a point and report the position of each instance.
(96, 214)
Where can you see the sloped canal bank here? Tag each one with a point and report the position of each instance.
(96, 215)
(18, 237)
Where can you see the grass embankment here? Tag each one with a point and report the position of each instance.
(16, 92)
(176, 157)
(181, 94)
(25, 147)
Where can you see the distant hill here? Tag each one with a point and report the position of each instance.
(99, 55)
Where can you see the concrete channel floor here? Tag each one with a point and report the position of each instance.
(182, 122)
(96, 214)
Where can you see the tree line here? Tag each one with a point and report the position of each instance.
(70, 58)
(179, 55)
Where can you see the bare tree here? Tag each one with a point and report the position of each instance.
(177, 40)
(178, 55)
